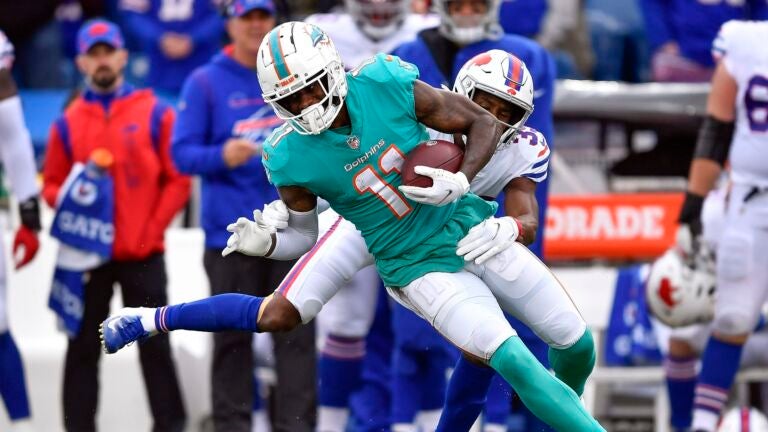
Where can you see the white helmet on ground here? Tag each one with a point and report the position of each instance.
(378, 18)
(293, 56)
(743, 419)
(679, 293)
(465, 30)
(503, 75)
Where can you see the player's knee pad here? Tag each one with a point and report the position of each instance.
(562, 325)
(526, 288)
(461, 307)
(733, 321)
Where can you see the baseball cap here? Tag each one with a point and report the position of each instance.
(98, 31)
(239, 8)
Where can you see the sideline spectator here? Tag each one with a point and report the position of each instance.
(135, 128)
(221, 126)
(560, 26)
(176, 35)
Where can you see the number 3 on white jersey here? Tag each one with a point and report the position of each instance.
(368, 180)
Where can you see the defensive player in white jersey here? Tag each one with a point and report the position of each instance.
(19, 164)
(368, 27)
(421, 272)
(735, 129)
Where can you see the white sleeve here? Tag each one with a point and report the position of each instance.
(16, 150)
(733, 44)
(298, 238)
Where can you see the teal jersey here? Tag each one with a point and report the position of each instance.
(357, 170)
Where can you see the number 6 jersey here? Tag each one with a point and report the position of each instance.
(740, 47)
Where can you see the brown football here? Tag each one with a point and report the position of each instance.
(433, 153)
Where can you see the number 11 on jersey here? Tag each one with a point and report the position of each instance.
(368, 180)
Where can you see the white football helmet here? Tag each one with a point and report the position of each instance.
(743, 419)
(378, 18)
(293, 56)
(465, 30)
(679, 293)
(503, 75)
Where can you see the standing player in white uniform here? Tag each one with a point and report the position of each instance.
(369, 27)
(365, 28)
(681, 296)
(19, 165)
(736, 129)
(521, 284)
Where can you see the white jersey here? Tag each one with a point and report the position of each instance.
(740, 47)
(6, 52)
(526, 156)
(354, 46)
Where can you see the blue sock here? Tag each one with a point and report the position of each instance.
(407, 385)
(436, 362)
(498, 406)
(217, 313)
(340, 370)
(465, 396)
(719, 365)
(12, 386)
(680, 374)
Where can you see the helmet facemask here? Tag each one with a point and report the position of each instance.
(297, 57)
(520, 111)
(317, 117)
(378, 19)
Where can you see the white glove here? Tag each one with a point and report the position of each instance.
(488, 238)
(248, 237)
(275, 214)
(446, 187)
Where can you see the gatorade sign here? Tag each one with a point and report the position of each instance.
(615, 226)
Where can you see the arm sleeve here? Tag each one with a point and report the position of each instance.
(56, 167)
(658, 29)
(298, 238)
(16, 149)
(176, 187)
(191, 151)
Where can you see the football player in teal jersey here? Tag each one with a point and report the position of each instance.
(345, 139)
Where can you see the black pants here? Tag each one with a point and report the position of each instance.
(143, 283)
(295, 358)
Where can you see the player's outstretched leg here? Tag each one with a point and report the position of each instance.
(462, 308)
(217, 313)
(547, 397)
(527, 289)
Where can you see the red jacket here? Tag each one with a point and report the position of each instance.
(149, 191)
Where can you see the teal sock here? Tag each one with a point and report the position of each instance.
(574, 364)
(547, 397)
